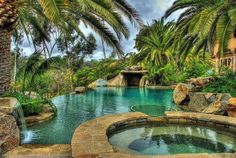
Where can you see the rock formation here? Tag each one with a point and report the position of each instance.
(9, 131)
(210, 103)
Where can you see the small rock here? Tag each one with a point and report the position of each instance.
(80, 89)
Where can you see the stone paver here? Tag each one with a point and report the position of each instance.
(40, 151)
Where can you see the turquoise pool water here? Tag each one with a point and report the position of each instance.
(76, 109)
(173, 139)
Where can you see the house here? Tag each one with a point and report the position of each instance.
(229, 57)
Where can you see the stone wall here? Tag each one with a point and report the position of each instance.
(9, 131)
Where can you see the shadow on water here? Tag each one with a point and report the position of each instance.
(174, 144)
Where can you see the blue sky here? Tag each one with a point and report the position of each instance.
(148, 10)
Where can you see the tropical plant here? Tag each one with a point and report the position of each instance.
(35, 67)
(64, 15)
(93, 70)
(223, 84)
(203, 24)
(160, 54)
(154, 43)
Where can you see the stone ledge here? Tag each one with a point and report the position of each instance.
(202, 117)
(42, 117)
(90, 138)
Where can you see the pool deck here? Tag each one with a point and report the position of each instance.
(40, 151)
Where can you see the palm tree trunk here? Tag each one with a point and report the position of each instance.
(5, 61)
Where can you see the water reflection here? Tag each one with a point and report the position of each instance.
(174, 139)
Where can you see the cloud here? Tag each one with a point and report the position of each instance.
(163, 5)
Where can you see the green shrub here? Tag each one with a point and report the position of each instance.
(32, 108)
(223, 84)
(104, 69)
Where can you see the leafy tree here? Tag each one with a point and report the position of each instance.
(34, 68)
(64, 15)
(203, 24)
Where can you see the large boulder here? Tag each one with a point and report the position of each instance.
(198, 102)
(209, 103)
(118, 81)
(181, 93)
(80, 89)
(98, 83)
(9, 133)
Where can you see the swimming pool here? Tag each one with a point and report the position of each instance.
(76, 109)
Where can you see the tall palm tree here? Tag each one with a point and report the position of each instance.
(63, 14)
(204, 23)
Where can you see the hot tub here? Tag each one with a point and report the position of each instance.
(172, 139)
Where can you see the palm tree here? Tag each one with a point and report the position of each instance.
(64, 15)
(154, 43)
(204, 23)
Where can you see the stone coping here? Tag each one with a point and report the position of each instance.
(224, 120)
(90, 139)
(36, 119)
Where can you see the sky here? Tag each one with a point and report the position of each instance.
(148, 10)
